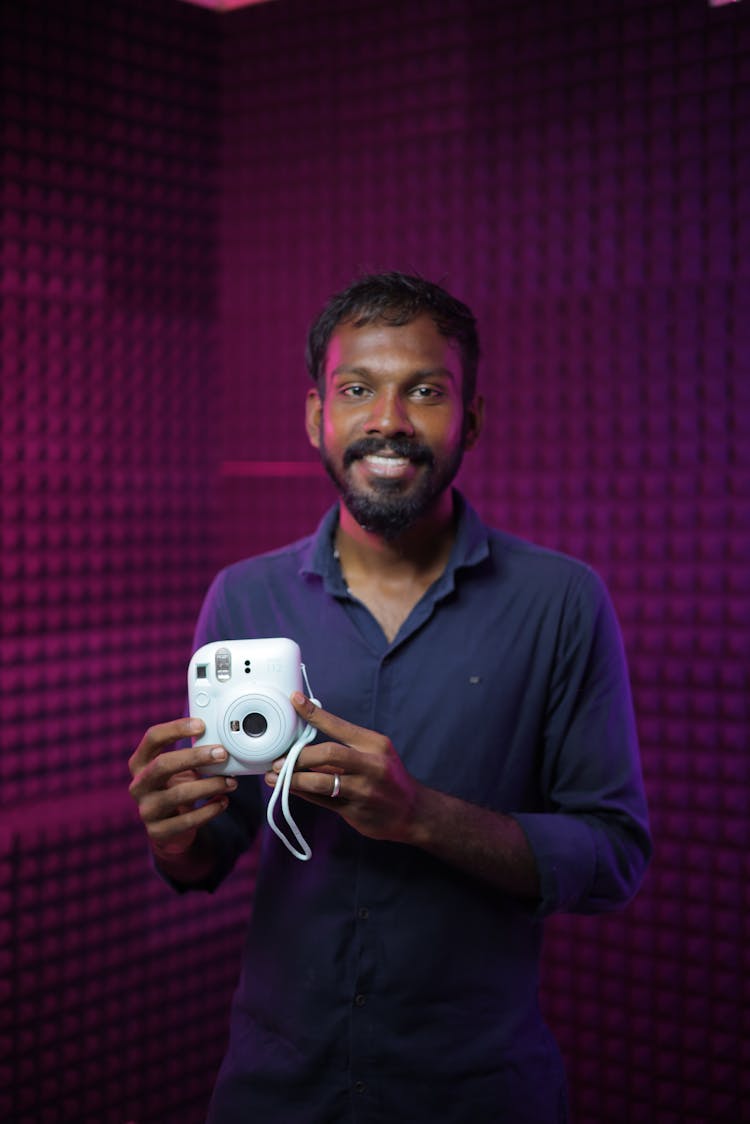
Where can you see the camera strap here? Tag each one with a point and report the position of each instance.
(283, 785)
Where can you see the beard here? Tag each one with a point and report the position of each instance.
(389, 507)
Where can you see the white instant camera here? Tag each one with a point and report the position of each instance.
(241, 689)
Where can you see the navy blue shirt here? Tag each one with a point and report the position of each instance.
(378, 983)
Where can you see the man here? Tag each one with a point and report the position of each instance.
(476, 766)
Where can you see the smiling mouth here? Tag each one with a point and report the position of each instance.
(387, 466)
(394, 461)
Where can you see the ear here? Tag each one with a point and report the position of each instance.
(473, 422)
(313, 414)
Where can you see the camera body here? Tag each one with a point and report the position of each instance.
(241, 689)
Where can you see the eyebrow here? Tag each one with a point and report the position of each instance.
(422, 373)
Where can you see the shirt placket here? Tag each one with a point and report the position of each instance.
(371, 918)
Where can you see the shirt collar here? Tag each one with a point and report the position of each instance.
(470, 548)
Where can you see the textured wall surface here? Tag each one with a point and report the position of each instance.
(181, 191)
(580, 173)
(110, 296)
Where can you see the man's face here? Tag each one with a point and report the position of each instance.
(391, 428)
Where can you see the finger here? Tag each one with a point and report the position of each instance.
(325, 757)
(169, 802)
(318, 787)
(192, 819)
(333, 727)
(158, 772)
(158, 738)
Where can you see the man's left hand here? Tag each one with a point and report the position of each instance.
(374, 793)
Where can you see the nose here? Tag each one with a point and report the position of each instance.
(389, 415)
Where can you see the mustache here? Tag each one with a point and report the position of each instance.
(413, 451)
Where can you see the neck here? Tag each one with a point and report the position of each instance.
(423, 547)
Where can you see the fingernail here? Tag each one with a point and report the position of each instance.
(195, 726)
(218, 753)
(298, 698)
(231, 782)
(277, 765)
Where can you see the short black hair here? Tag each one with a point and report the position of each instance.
(396, 299)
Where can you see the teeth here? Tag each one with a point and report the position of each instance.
(391, 462)
(388, 466)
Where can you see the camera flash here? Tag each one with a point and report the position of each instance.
(223, 665)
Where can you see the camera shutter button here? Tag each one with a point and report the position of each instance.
(202, 699)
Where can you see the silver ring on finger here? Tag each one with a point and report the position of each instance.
(336, 786)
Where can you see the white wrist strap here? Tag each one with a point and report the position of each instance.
(283, 784)
(281, 788)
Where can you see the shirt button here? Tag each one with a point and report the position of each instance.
(360, 1087)
(360, 1000)
(363, 913)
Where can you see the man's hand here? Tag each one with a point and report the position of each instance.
(375, 794)
(174, 800)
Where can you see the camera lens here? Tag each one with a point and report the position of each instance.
(257, 727)
(254, 724)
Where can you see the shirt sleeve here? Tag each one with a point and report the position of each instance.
(592, 841)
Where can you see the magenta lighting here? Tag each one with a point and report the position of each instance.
(224, 5)
(180, 194)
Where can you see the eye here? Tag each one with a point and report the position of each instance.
(424, 392)
(353, 390)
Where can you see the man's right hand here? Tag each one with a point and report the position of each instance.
(174, 800)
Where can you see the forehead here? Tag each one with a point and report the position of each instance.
(379, 346)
